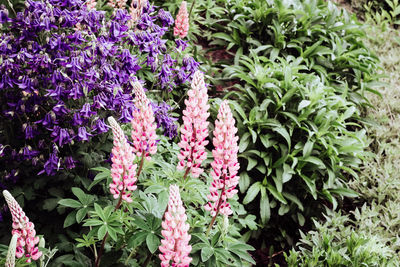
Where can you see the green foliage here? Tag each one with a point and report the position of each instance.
(337, 242)
(135, 228)
(298, 137)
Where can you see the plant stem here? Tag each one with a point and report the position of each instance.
(103, 242)
(130, 256)
(216, 214)
(186, 172)
(191, 8)
(140, 165)
(146, 262)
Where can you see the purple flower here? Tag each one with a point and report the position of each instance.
(83, 135)
(181, 44)
(69, 162)
(52, 165)
(86, 112)
(164, 120)
(165, 18)
(61, 135)
(101, 126)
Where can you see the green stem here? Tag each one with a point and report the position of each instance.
(103, 242)
(130, 256)
(147, 260)
(140, 165)
(191, 8)
(218, 207)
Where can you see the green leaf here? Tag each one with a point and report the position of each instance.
(244, 182)
(277, 195)
(152, 242)
(206, 253)
(68, 202)
(93, 222)
(140, 223)
(307, 149)
(251, 163)
(244, 142)
(252, 192)
(347, 192)
(315, 161)
(102, 231)
(99, 211)
(79, 194)
(265, 211)
(284, 133)
(137, 239)
(81, 214)
(70, 219)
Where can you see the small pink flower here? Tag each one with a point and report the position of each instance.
(117, 4)
(225, 165)
(182, 21)
(24, 229)
(175, 245)
(195, 127)
(91, 4)
(123, 171)
(143, 125)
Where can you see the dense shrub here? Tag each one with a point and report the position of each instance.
(338, 242)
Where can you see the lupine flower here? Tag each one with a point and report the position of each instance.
(225, 165)
(123, 171)
(143, 125)
(175, 245)
(24, 229)
(195, 127)
(12, 248)
(182, 21)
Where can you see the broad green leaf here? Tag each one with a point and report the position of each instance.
(137, 238)
(244, 142)
(244, 182)
(347, 192)
(68, 202)
(206, 253)
(79, 194)
(152, 242)
(251, 163)
(81, 214)
(252, 192)
(284, 133)
(99, 211)
(70, 219)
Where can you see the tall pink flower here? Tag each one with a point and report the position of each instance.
(123, 171)
(144, 129)
(24, 229)
(182, 21)
(175, 245)
(195, 127)
(225, 165)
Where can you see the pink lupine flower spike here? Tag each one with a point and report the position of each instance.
(195, 128)
(175, 245)
(24, 230)
(225, 165)
(143, 126)
(123, 171)
(181, 28)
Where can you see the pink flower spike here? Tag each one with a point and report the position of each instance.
(225, 165)
(143, 125)
(123, 171)
(175, 245)
(117, 4)
(23, 229)
(195, 127)
(182, 21)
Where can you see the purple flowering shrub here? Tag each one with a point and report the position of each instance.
(65, 68)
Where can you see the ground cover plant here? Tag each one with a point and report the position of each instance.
(295, 78)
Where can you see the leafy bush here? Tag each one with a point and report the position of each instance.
(297, 137)
(338, 242)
